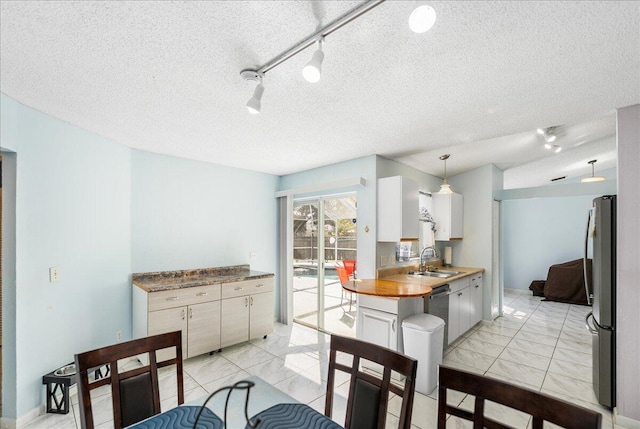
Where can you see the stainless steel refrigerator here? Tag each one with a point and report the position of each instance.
(601, 294)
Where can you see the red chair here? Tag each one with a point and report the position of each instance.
(343, 275)
(350, 266)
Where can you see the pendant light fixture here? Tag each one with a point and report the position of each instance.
(593, 177)
(255, 103)
(445, 188)
(312, 71)
(422, 18)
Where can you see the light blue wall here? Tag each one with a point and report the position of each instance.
(189, 214)
(540, 232)
(99, 211)
(72, 212)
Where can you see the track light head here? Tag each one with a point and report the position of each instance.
(254, 104)
(313, 71)
(422, 18)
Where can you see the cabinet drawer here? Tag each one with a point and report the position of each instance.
(460, 284)
(247, 287)
(184, 296)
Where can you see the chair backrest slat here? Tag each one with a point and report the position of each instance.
(366, 388)
(539, 405)
(137, 384)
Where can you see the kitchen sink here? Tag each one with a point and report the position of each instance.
(439, 274)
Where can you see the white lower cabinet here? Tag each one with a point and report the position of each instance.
(235, 320)
(476, 293)
(169, 320)
(465, 305)
(380, 319)
(378, 327)
(203, 322)
(247, 310)
(210, 317)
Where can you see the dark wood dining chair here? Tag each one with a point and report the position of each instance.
(540, 406)
(135, 393)
(369, 394)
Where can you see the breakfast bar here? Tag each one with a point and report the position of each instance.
(399, 292)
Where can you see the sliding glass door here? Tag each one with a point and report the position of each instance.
(324, 235)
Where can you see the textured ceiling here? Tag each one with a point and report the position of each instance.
(164, 77)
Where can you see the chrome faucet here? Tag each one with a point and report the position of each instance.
(435, 254)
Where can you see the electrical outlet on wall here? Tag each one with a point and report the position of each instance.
(253, 256)
(384, 260)
(118, 336)
(53, 274)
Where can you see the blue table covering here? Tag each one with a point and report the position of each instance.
(181, 418)
(293, 416)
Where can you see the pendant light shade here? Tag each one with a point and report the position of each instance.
(593, 177)
(422, 18)
(313, 71)
(445, 188)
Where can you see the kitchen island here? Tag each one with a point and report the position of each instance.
(383, 303)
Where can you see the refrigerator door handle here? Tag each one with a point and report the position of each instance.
(591, 329)
(584, 262)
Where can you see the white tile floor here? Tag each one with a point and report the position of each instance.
(538, 344)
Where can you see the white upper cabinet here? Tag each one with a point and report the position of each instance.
(447, 212)
(397, 209)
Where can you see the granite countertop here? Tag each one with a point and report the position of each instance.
(402, 285)
(168, 280)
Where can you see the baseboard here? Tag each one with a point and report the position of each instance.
(25, 419)
(6, 423)
(625, 421)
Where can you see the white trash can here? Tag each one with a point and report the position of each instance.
(424, 341)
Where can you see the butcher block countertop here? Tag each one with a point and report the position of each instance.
(398, 285)
(169, 280)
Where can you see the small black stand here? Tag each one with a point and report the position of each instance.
(57, 384)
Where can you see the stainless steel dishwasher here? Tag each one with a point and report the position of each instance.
(438, 304)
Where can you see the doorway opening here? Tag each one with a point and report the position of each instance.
(324, 237)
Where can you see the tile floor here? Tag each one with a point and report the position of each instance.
(539, 344)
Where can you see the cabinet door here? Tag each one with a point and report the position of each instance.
(169, 320)
(476, 300)
(261, 314)
(397, 209)
(378, 327)
(465, 310)
(454, 316)
(234, 321)
(203, 328)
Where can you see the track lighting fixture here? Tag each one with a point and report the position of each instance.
(593, 177)
(312, 71)
(445, 188)
(254, 104)
(422, 19)
(550, 135)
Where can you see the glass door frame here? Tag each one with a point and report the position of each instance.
(319, 202)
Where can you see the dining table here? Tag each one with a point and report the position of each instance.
(274, 409)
